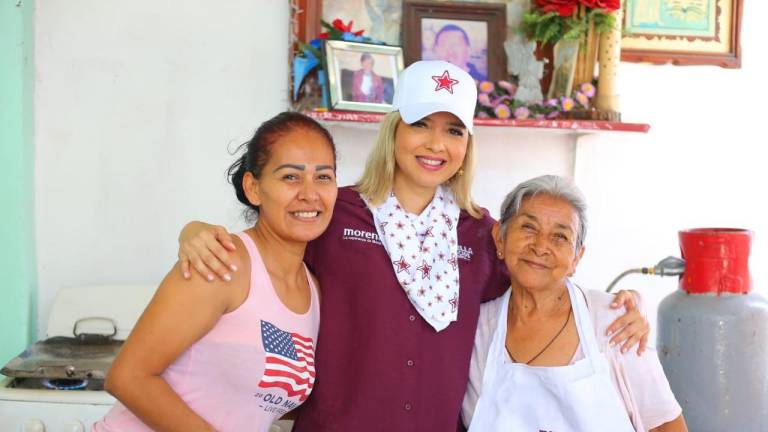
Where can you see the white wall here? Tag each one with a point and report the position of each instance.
(136, 105)
(703, 164)
(138, 101)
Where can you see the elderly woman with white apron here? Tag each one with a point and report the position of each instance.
(541, 360)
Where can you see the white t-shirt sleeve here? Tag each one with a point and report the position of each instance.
(486, 326)
(640, 380)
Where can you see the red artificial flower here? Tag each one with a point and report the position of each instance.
(563, 8)
(346, 28)
(339, 25)
(323, 35)
(609, 5)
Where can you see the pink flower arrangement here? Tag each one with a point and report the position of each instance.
(497, 100)
(522, 113)
(567, 104)
(484, 99)
(503, 112)
(486, 87)
(508, 87)
(588, 89)
(582, 99)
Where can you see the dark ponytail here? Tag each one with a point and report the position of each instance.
(257, 151)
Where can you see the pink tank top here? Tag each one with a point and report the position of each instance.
(255, 365)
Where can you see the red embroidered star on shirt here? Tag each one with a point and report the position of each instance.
(424, 269)
(402, 265)
(454, 302)
(445, 81)
(452, 261)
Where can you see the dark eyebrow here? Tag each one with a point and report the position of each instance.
(294, 166)
(302, 167)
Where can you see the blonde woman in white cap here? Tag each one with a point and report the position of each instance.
(403, 267)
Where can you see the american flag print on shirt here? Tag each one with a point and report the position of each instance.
(289, 363)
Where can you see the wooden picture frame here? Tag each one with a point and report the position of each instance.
(361, 76)
(687, 32)
(436, 30)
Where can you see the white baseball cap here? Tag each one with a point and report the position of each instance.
(431, 86)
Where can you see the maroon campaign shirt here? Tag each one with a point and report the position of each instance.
(380, 366)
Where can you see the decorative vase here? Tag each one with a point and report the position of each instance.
(565, 56)
(588, 52)
(607, 100)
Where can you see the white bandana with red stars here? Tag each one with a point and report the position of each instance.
(423, 250)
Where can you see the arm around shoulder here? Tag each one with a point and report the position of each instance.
(643, 386)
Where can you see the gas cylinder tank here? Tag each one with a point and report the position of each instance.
(713, 335)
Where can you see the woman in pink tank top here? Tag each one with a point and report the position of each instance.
(211, 355)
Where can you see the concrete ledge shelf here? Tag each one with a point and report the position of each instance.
(368, 120)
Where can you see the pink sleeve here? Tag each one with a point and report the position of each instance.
(640, 380)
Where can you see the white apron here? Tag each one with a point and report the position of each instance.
(520, 398)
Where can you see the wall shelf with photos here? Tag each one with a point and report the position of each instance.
(332, 63)
(368, 120)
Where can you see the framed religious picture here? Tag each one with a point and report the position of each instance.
(683, 32)
(469, 35)
(362, 77)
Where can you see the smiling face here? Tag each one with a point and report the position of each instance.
(539, 245)
(453, 48)
(430, 151)
(297, 187)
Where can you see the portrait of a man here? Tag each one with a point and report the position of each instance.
(463, 43)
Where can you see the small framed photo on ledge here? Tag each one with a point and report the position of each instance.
(469, 35)
(362, 77)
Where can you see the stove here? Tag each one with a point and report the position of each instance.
(57, 384)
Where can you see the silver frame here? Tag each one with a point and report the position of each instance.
(334, 81)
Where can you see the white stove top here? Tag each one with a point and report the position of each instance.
(41, 410)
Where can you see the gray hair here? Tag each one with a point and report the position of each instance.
(554, 186)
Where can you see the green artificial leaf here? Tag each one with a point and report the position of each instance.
(604, 22)
(307, 47)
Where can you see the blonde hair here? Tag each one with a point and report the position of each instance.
(379, 175)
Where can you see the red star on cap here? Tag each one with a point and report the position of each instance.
(445, 81)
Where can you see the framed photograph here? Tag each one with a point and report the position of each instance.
(469, 35)
(362, 77)
(683, 32)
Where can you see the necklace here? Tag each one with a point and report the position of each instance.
(568, 318)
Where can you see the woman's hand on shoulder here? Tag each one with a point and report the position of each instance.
(206, 248)
(632, 328)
